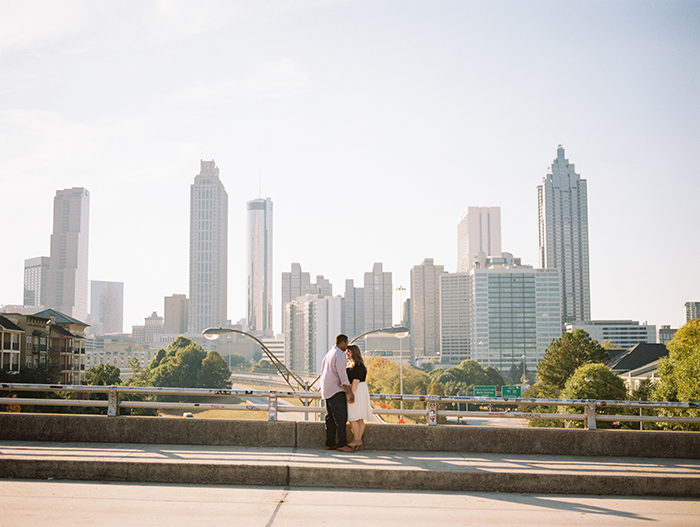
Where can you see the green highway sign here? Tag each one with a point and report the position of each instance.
(484, 391)
(510, 391)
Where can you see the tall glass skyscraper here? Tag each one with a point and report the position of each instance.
(259, 267)
(68, 263)
(208, 250)
(562, 200)
(36, 278)
(478, 236)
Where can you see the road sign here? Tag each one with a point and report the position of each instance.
(510, 391)
(484, 391)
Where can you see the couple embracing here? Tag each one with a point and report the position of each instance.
(346, 394)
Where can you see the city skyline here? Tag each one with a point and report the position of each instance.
(371, 127)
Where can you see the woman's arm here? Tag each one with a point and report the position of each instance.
(355, 384)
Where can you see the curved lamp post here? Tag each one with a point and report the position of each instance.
(395, 330)
(286, 373)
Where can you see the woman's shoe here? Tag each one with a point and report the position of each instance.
(357, 445)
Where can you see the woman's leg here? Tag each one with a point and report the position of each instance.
(356, 433)
(361, 431)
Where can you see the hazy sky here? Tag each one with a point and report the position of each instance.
(373, 125)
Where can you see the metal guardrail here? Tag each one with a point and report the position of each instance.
(113, 403)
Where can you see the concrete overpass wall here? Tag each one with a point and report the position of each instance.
(303, 434)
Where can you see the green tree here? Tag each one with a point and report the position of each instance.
(214, 372)
(605, 385)
(103, 375)
(679, 373)
(564, 355)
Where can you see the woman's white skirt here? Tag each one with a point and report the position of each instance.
(361, 408)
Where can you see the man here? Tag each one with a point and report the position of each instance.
(335, 389)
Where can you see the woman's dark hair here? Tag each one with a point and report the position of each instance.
(355, 354)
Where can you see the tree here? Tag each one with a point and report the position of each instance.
(565, 355)
(103, 375)
(214, 372)
(605, 385)
(679, 373)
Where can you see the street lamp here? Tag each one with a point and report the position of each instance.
(627, 396)
(286, 373)
(401, 335)
(395, 330)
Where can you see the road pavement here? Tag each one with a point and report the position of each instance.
(67, 504)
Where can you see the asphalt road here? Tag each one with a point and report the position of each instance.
(64, 503)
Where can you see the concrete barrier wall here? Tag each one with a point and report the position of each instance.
(306, 434)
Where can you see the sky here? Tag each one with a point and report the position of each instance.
(372, 125)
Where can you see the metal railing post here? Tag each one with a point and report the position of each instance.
(272, 406)
(590, 417)
(432, 410)
(113, 401)
(306, 400)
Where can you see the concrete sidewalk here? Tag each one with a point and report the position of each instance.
(401, 470)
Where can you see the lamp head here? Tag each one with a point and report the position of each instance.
(214, 333)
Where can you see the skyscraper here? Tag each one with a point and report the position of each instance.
(294, 284)
(106, 307)
(68, 266)
(36, 277)
(425, 296)
(208, 249)
(353, 310)
(454, 318)
(478, 236)
(378, 295)
(176, 314)
(562, 200)
(692, 311)
(259, 267)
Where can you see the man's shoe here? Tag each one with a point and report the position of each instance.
(331, 447)
(346, 449)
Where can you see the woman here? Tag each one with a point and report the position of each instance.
(360, 410)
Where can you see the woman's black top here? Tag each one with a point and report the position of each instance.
(358, 371)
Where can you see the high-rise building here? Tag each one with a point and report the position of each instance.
(353, 310)
(208, 250)
(176, 314)
(478, 236)
(68, 263)
(313, 321)
(294, 284)
(563, 235)
(152, 326)
(378, 296)
(454, 318)
(36, 277)
(692, 311)
(259, 267)
(106, 307)
(514, 313)
(425, 296)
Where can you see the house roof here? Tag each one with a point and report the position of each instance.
(8, 325)
(637, 356)
(62, 331)
(61, 318)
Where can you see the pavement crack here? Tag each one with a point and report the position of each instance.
(279, 505)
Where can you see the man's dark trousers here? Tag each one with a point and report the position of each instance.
(336, 419)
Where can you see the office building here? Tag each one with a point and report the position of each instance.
(454, 318)
(295, 283)
(313, 322)
(67, 286)
(621, 333)
(425, 296)
(36, 277)
(152, 326)
(692, 311)
(514, 313)
(106, 307)
(665, 334)
(562, 200)
(353, 311)
(259, 267)
(208, 250)
(478, 236)
(176, 313)
(378, 296)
